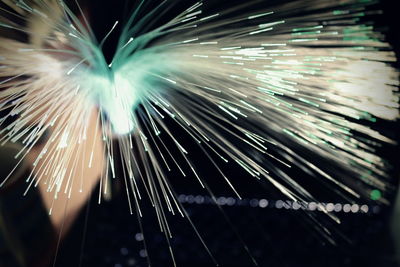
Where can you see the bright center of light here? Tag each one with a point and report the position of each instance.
(117, 99)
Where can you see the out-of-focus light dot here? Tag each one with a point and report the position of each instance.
(279, 204)
(321, 206)
(254, 203)
(263, 203)
(131, 262)
(296, 205)
(230, 201)
(190, 199)
(355, 208)
(364, 208)
(181, 198)
(338, 207)
(143, 253)
(312, 206)
(287, 205)
(330, 207)
(199, 199)
(221, 201)
(117, 265)
(139, 237)
(346, 208)
(124, 251)
(375, 194)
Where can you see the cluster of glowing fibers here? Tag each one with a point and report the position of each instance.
(265, 89)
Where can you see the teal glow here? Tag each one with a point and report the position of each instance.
(116, 97)
(135, 72)
(119, 89)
